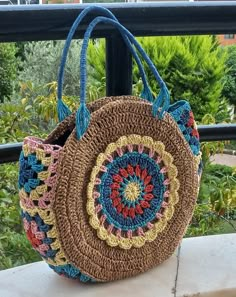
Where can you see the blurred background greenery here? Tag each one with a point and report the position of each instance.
(196, 68)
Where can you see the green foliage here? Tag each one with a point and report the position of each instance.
(229, 90)
(204, 222)
(216, 201)
(222, 115)
(9, 210)
(219, 170)
(219, 188)
(14, 247)
(43, 108)
(231, 145)
(96, 70)
(15, 250)
(38, 78)
(8, 69)
(41, 63)
(20, 53)
(34, 113)
(192, 66)
(217, 195)
(14, 122)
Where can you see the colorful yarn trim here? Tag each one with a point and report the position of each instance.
(37, 179)
(132, 191)
(38, 166)
(38, 233)
(183, 115)
(132, 195)
(72, 272)
(40, 229)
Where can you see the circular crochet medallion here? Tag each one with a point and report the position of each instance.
(125, 191)
(132, 191)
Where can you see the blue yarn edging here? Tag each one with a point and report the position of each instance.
(155, 204)
(72, 272)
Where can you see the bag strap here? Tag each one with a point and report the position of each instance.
(83, 115)
(62, 108)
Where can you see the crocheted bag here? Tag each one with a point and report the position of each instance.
(110, 192)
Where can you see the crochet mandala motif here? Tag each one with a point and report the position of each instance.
(132, 191)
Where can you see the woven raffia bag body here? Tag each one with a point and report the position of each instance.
(110, 192)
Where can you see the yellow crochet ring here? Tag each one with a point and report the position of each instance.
(131, 197)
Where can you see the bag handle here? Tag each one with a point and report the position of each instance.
(83, 115)
(62, 108)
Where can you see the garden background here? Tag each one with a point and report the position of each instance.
(195, 68)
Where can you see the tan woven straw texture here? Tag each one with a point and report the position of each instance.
(111, 119)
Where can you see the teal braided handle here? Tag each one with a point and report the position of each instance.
(62, 108)
(159, 106)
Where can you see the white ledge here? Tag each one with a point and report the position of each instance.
(201, 267)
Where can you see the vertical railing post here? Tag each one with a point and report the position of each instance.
(118, 67)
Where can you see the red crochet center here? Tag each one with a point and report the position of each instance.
(115, 195)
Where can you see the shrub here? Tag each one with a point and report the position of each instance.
(231, 145)
(229, 90)
(33, 115)
(216, 206)
(216, 202)
(96, 70)
(37, 75)
(8, 69)
(219, 170)
(192, 66)
(41, 63)
(14, 247)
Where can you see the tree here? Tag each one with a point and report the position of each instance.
(192, 66)
(41, 63)
(229, 90)
(8, 69)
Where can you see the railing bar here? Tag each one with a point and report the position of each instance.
(118, 67)
(44, 22)
(10, 152)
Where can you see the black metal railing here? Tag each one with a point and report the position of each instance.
(52, 22)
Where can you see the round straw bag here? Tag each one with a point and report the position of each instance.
(110, 192)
